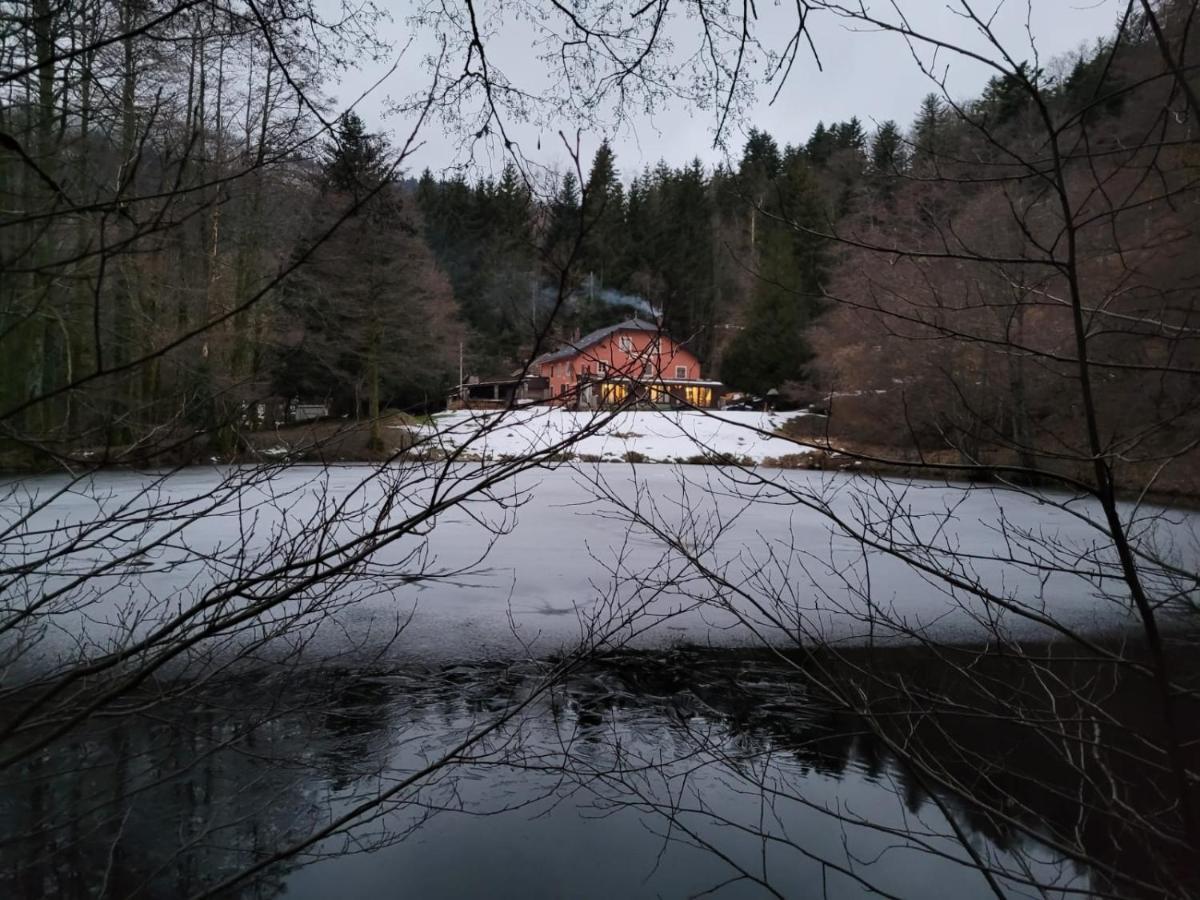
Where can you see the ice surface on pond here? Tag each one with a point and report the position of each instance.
(547, 557)
(658, 436)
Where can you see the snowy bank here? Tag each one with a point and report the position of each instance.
(642, 435)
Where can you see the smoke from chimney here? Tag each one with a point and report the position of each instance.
(614, 297)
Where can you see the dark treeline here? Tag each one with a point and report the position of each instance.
(715, 253)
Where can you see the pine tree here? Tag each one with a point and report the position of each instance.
(371, 280)
(1093, 87)
(772, 349)
(606, 242)
(820, 145)
(1005, 96)
(760, 157)
(354, 161)
(562, 227)
(685, 266)
(849, 135)
(760, 166)
(931, 132)
(888, 153)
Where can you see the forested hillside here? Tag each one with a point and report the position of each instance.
(190, 243)
(1044, 238)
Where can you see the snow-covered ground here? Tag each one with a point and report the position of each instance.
(655, 436)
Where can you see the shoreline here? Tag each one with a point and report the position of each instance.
(815, 461)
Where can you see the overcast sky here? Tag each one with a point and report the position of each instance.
(868, 74)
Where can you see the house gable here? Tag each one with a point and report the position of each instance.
(632, 351)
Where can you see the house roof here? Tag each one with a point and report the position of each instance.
(595, 337)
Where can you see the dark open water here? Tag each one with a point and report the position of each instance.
(643, 775)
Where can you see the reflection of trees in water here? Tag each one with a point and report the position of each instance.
(172, 802)
(151, 807)
(1100, 805)
(1101, 795)
(166, 803)
(128, 810)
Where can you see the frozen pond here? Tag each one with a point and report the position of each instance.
(639, 556)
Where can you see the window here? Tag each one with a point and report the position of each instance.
(614, 393)
(681, 371)
(602, 368)
(562, 390)
(625, 343)
(647, 370)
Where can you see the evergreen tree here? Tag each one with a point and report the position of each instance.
(354, 161)
(685, 263)
(371, 281)
(760, 158)
(931, 132)
(562, 227)
(1093, 87)
(606, 242)
(771, 348)
(820, 145)
(849, 135)
(888, 153)
(1005, 96)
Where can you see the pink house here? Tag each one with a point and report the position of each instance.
(633, 361)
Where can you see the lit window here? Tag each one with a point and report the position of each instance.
(681, 371)
(614, 393)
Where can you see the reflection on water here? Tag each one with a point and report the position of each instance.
(640, 775)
